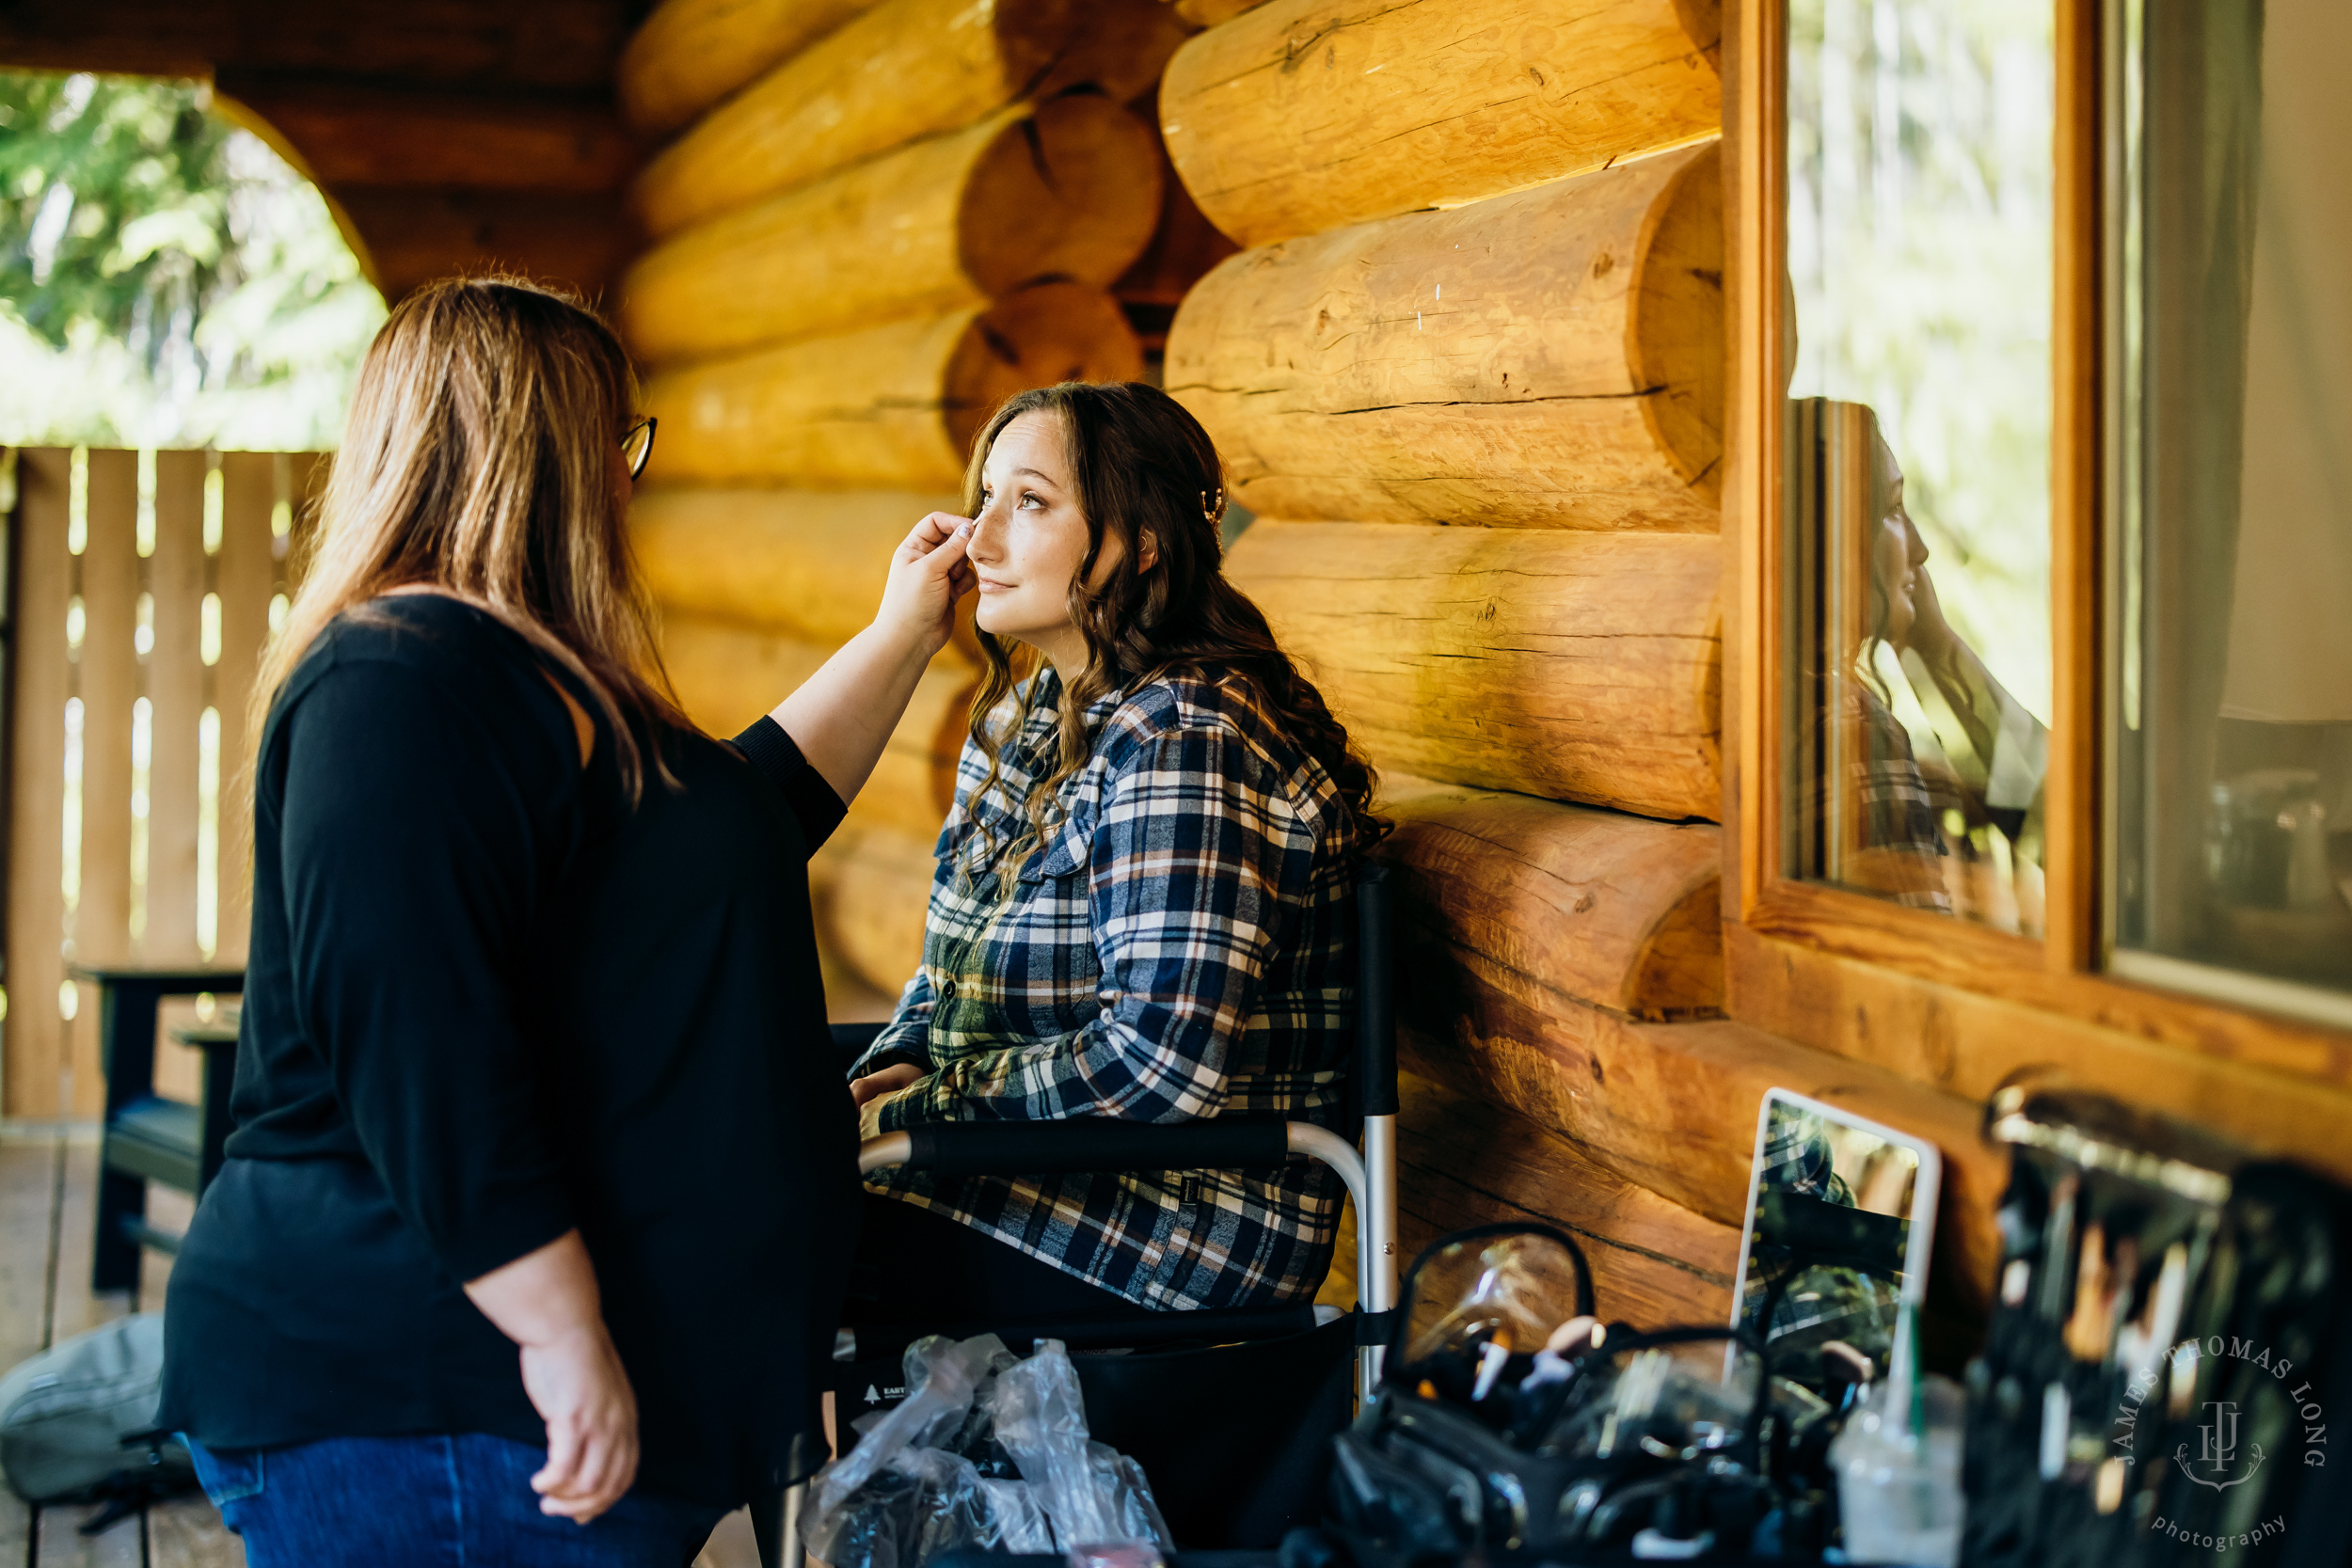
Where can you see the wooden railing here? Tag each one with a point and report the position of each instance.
(143, 586)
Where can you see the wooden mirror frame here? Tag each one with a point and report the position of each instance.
(1938, 999)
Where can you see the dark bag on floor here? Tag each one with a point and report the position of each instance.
(68, 1416)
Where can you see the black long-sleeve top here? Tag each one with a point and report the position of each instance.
(487, 1001)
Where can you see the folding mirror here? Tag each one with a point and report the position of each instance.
(1833, 1257)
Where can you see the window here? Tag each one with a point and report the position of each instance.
(1917, 654)
(2230, 500)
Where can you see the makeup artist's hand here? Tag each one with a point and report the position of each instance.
(928, 575)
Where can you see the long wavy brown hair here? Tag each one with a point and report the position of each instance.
(1140, 464)
(477, 462)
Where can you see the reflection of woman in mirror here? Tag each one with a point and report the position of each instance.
(1845, 1316)
(1983, 754)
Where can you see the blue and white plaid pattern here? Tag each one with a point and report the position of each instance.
(1180, 947)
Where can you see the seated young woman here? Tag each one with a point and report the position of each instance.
(1144, 906)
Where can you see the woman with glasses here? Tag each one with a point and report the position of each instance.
(535, 1220)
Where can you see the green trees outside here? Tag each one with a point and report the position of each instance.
(166, 279)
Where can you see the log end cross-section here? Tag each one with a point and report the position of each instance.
(1611, 910)
(1071, 192)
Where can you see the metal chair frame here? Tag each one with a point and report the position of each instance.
(1096, 1145)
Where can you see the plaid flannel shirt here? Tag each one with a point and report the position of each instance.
(1181, 946)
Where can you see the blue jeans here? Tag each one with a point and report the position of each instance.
(462, 1502)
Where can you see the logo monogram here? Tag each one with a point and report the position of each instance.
(2219, 1451)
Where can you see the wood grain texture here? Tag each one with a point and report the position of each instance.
(870, 887)
(542, 44)
(1916, 946)
(107, 682)
(1967, 1041)
(1463, 1160)
(691, 53)
(175, 690)
(1552, 358)
(1672, 1107)
(1071, 191)
(35, 1034)
(2079, 341)
(244, 576)
(728, 675)
(892, 407)
(420, 139)
(1310, 115)
(46, 1184)
(1185, 249)
(905, 69)
(1209, 13)
(1571, 665)
(1576, 900)
(803, 563)
(407, 237)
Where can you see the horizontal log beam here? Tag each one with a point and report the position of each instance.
(408, 237)
(893, 407)
(1465, 1162)
(1552, 358)
(375, 137)
(728, 675)
(1673, 1107)
(1573, 666)
(803, 563)
(902, 70)
(691, 53)
(1310, 115)
(555, 44)
(1611, 909)
(871, 887)
(1071, 192)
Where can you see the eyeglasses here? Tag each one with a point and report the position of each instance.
(637, 445)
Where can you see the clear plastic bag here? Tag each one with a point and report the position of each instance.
(939, 1472)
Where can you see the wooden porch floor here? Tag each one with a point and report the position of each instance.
(47, 1185)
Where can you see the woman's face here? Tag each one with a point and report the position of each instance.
(1029, 539)
(1898, 575)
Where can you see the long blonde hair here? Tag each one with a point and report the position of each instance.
(478, 461)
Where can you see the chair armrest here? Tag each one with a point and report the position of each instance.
(1081, 1145)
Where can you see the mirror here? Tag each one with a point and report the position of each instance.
(1841, 1213)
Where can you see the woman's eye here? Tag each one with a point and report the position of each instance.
(1030, 498)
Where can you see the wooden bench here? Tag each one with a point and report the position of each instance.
(150, 1138)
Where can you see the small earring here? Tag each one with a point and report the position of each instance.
(1213, 512)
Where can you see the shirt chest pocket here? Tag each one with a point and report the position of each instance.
(1063, 859)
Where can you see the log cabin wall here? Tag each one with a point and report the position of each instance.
(869, 224)
(1470, 375)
